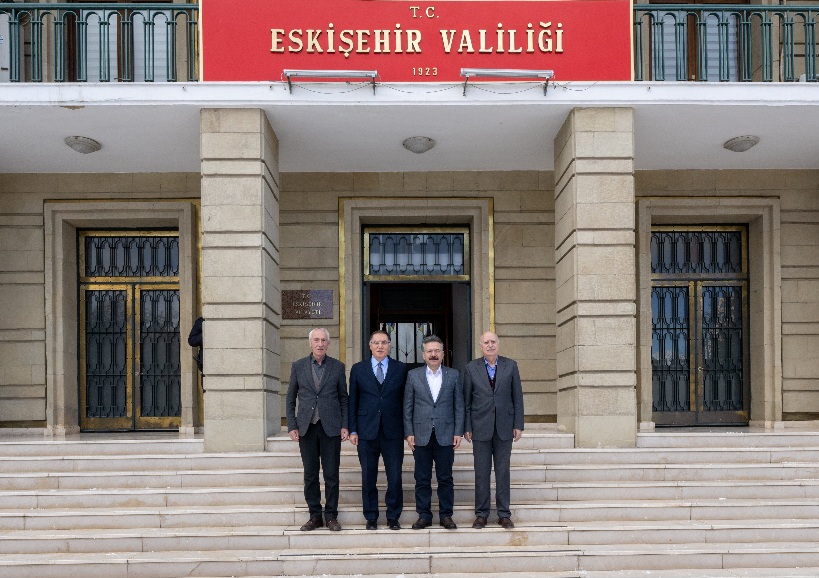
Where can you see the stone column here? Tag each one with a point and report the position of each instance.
(241, 299)
(596, 277)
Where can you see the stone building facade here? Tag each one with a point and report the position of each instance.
(561, 267)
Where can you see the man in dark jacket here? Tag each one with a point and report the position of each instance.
(195, 340)
(494, 419)
(319, 424)
(377, 427)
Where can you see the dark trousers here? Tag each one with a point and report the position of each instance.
(485, 452)
(442, 457)
(392, 450)
(318, 448)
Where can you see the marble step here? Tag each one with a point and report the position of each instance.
(423, 560)
(666, 474)
(101, 445)
(350, 494)
(233, 461)
(288, 515)
(521, 474)
(463, 457)
(534, 437)
(698, 438)
(667, 573)
(354, 536)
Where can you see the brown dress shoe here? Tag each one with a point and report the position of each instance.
(333, 525)
(448, 523)
(312, 524)
(479, 523)
(421, 524)
(506, 523)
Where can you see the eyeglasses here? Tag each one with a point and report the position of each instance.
(379, 342)
(433, 351)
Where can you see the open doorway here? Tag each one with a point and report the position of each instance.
(411, 311)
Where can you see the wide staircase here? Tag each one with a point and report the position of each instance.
(687, 504)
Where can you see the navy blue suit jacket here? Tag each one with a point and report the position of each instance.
(371, 406)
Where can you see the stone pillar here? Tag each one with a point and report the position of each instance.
(241, 299)
(596, 277)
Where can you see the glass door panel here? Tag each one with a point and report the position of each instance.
(158, 358)
(699, 307)
(105, 358)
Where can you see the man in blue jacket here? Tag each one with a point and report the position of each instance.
(377, 427)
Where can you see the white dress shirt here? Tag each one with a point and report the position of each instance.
(434, 380)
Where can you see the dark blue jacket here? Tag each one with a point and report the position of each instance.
(371, 406)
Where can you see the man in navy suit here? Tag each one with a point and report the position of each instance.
(433, 424)
(494, 420)
(377, 428)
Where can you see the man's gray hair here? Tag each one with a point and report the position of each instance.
(310, 335)
(433, 339)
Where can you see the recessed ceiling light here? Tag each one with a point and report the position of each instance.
(418, 144)
(741, 144)
(83, 144)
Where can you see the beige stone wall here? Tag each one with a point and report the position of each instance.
(241, 303)
(524, 258)
(22, 271)
(800, 296)
(524, 262)
(595, 289)
(798, 192)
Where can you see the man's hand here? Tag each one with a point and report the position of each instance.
(345, 433)
(354, 439)
(411, 442)
(518, 433)
(468, 436)
(456, 442)
(294, 435)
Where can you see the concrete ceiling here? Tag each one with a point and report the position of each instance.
(341, 127)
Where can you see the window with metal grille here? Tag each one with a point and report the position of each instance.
(440, 254)
(128, 256)
(697, 252)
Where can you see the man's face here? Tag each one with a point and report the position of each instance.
(380, 346)
(433, 355)
(489, 345)
(319, 342)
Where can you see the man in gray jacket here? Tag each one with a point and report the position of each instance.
(433, 424)
(319, 425)
(494, 419)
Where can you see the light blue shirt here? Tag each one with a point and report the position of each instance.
(375, 362)
(490, 369)
(384, 363)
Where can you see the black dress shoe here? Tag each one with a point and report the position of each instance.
(393, 525)
(313, 523)
(372, 525)
(448, 523)
(421, 524)
(332, 524)
(479, 523)
(506, 523)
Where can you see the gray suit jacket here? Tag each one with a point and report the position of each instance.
(331, 396)
(489, 411)
(421, 413)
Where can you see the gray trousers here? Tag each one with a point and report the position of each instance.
(485, 453)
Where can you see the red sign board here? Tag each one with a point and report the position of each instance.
(413, 41)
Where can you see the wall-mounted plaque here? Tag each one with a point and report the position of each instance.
(307, 304)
